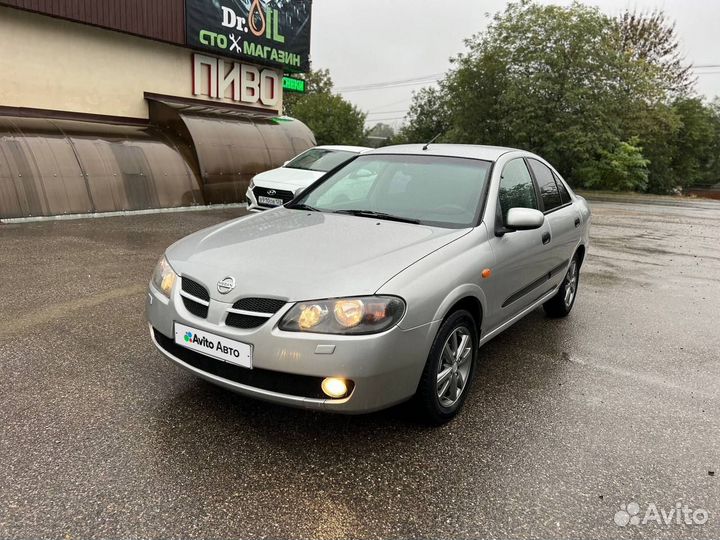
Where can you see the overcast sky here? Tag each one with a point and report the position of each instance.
(363, 42)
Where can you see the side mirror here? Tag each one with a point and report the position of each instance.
(524, 219)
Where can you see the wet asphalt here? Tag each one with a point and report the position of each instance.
(567, 419)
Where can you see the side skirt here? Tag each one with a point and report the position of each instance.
(507, 324)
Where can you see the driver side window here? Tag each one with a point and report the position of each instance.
(516, 188)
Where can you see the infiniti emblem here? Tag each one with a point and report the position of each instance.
(225, 285)
(271, 192)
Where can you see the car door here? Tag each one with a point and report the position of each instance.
(522, 260)
(561, 216)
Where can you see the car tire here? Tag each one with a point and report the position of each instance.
(562, 303)
(436, 402)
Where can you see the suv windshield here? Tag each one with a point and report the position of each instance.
(439, 191)
(320, 159)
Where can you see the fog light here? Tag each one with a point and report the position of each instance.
(334, 387)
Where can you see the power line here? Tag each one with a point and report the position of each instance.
(390, 84)
(387, 112)
(434, 77)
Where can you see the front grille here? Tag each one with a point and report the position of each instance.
(196, 309)
(194, 288)
(261, 306)
(198, 291)
(244, 321)
(286, 196)
(274, 381)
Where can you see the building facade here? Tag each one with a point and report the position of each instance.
(109, 105)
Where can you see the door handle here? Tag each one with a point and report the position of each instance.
(546, 238)
(577, 222)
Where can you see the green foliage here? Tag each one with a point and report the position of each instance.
(651, 38)
(592, 94)
(621, 169)
(317, 82)
(713, 166)
(694, 143)
(429, 115)
(331, 118)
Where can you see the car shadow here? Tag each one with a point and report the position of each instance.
(210, 423)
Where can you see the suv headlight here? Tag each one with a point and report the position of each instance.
(164, 277)
(358, 315)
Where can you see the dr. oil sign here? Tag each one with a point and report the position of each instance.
(271, 32)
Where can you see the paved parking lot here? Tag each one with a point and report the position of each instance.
(567, 420)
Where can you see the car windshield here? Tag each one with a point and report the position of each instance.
(320, 159)
(437, 191)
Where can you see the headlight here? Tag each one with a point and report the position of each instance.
(361, 315)
(164, 277)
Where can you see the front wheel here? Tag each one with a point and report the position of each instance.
(449, 368)
(561, 304)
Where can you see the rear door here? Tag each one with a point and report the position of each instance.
(560, 214)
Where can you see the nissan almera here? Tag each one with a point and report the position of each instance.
(376, 285)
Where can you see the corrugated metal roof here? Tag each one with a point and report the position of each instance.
(163, 20)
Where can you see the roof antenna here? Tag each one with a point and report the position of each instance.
(435, 138)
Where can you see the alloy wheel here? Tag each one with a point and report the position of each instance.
(571, 284)
(454, 366)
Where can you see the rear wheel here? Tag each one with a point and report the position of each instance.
(561, 304)
(449, 368)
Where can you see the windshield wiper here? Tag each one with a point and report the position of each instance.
(303, 206)
(378, 215)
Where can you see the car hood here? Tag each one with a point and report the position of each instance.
(300, 255)
(285, 178)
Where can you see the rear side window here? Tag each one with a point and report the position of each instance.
(564, 195)
(546, 182)
(516, 188)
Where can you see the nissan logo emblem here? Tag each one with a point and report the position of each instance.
(271, 192)
(225, 285)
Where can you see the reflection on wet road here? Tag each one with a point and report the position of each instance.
(566, 421)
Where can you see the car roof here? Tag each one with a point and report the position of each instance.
(356, 149)
(474, 151)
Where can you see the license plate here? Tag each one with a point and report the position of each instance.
(270, 201)
(218, 347)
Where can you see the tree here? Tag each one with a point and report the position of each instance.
(316, 82)
(693, 143)
(572, 84)
(331, 118)
(621, 169)
(651, 38)
(713, 166)
(429, 115)
(549, 79)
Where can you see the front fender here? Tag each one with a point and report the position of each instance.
(431, 286)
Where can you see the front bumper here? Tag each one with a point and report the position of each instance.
(385, 368)
(252, 200)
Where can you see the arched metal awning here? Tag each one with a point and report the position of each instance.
(187, 155)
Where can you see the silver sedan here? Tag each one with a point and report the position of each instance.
(377, 284)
